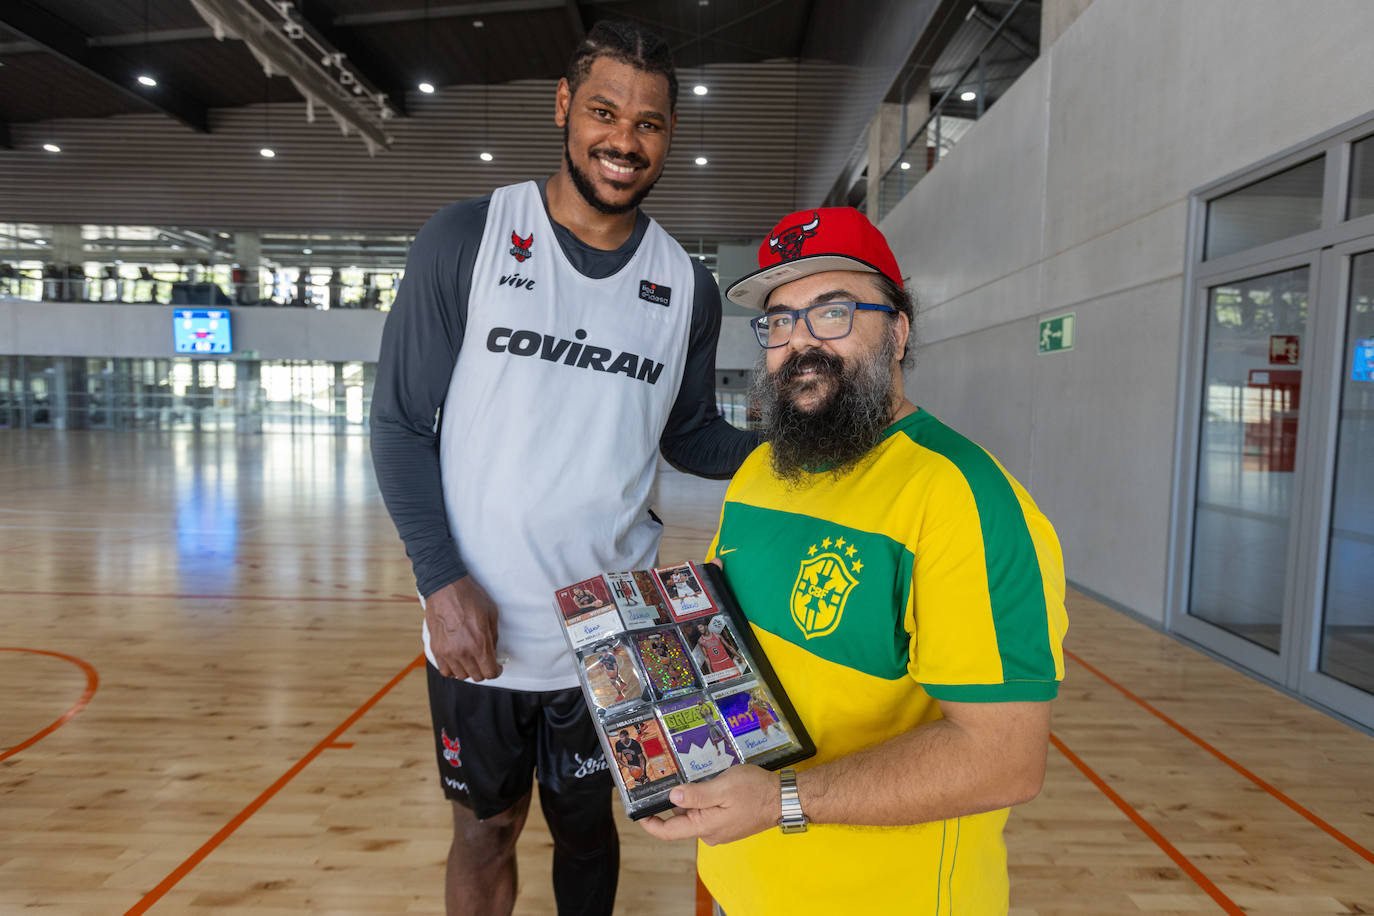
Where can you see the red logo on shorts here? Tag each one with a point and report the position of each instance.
(450, 749)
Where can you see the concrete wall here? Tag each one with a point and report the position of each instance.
(143, 331)
(1071, 195)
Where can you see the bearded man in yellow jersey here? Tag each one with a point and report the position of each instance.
(909, 595)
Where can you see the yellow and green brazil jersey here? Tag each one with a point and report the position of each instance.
(925, 574)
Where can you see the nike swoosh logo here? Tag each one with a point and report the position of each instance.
(721, 553)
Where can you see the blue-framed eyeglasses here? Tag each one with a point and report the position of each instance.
(825, 321)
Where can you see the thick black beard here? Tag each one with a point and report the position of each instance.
(588, 190)
(840, 431)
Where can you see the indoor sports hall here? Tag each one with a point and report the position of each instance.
(212, 686)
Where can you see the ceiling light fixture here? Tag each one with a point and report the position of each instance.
(307, 251)
(702, 160)
(147, 80)
(267, 152)
(906, 166)
(968, 95)
(485, 156)
(699, 89)
(52, 147)
(427, 88)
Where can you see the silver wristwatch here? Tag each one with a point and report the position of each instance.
(793, 819)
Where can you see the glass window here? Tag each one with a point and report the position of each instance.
(1347, 649)
(1256, 340)
(1280, 206)
(1361, 179)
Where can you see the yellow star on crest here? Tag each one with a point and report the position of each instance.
(850, 551)
(858, 565)
(825, 543)
(839, 542)
(812, 551)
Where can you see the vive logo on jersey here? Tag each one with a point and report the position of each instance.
(520, 248)
(573, 353)
(589, 766)
(656, 293)
(825, 579)
(450, 749)
(455, 784)
(516, 280)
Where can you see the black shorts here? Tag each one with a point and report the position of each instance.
(488, 740)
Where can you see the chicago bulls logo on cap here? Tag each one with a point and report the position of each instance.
(788, 243)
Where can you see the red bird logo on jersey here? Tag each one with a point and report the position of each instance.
(450, 749)
(521, 247)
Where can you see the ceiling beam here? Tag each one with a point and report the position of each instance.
(110, 67)
(448, 11)
(375, 74)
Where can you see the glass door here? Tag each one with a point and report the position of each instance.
(1250, 413)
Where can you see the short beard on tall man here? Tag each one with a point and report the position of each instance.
(584, 185)
(842, 429)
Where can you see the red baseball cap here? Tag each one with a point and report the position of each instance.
(812, 241)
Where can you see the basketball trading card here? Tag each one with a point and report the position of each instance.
(715, 649)
(752, 719)
(666, 665)
(588, 611)
(635, 610)
(682, 589)
(612, 677)
(698, 736)
(643, 760)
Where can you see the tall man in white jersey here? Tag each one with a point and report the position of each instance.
(526, 318)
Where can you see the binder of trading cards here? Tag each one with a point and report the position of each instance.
(676, 681)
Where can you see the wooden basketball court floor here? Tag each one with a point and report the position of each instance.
(211, 702)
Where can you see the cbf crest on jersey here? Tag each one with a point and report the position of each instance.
(825, 578)
(520, 248)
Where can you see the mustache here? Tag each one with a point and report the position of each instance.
(824, 363)
(633, 160)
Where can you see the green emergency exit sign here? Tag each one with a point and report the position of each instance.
(1056, 333)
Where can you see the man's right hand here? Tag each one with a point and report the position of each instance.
(461, 618)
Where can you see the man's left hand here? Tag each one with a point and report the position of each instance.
(742, 801)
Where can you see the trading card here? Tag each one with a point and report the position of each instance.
(588, 611)
(715, 649)
(682, 589)
(635, 609)
(665, 661)
(611, 675)
(643, 760)
(752, 718)
(698, 736)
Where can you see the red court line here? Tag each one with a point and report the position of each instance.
(1226, 903)
(238, 820)
(704, 907)
(329, 598)
(92, 682)
(1346, 841)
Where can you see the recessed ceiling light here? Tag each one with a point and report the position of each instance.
(905, 166)
(147, 80)
(702, 160)
(485, 156)
(426, 88)
(52, 147)
(267, 152)
(968, 95)
(477, 23)
(699, 89)
(307, 251)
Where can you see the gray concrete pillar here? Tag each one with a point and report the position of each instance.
(248, 397)
(889, 136)
(248, 256)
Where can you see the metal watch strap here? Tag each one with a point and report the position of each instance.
(793, 819)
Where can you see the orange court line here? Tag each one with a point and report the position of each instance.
(1349, 843)
(92, 682)
(238, 820)
(1202, 881)
(333, 599)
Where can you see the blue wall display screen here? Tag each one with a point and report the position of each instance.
(201, 332)
(1364, 360)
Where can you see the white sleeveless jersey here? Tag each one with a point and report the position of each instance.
(550, 430)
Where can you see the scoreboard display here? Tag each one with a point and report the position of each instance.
(202, 332)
